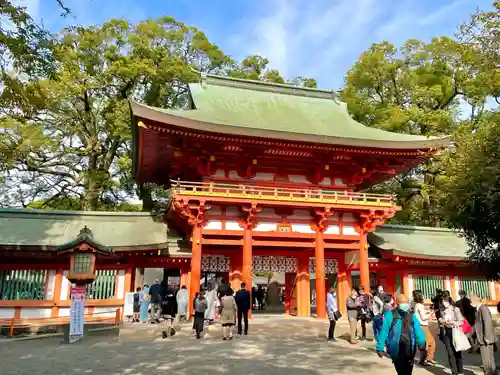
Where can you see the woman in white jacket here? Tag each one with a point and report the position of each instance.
(332, 311)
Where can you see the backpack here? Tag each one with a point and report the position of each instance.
(406, 334)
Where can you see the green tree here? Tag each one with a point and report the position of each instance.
(471, 191)
(68, 135)
(414, 89)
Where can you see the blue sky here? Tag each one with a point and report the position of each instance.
(319, 39)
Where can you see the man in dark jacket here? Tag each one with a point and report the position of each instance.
(485, 334)
(243, 303)
(155, 293)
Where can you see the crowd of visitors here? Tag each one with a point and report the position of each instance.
(401, 327)
(217, 302)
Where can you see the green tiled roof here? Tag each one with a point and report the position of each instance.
(419, 242)
(51, 229)
(251, 108)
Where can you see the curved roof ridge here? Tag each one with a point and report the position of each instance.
(280, 88)
(24, 211)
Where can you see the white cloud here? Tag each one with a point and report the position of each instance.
(322, 38)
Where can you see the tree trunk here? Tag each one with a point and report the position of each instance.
(146, 197)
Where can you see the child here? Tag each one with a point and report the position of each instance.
(200, 306)
(137, 304)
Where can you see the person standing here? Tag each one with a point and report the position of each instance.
(469, 314)
(378, 310)
(200, 305)
(182, 298)
(332, 312)
(243, 303)
(144, 300)
(137, 305)
(227, 315)
(155, 294)
(401, 333)
(364, 306)
(485, 335)
(450, 317)
(352, 315)
(427, 355)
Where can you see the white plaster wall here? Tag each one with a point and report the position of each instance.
(213, 224)
(410, 285)
(150, 274)
(64, 312)
(302, 228)
(298, 178)
(7, 312)
(27, 313)
(332, 229)
(493, 293)
(120, 292)
(233, 225)
(339, 182)
(65, 286)
(51, 282)
(234, 175)
(349, 230)
(219, 173)
(457, 285)
(326, 181)
(264, 176)
(265, 227)
(447, 283)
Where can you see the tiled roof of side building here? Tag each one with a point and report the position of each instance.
(250, 108)
(49, 229)
(419, 242)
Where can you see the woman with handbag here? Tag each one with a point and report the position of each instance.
(450, 320)
(227, 314)
(423, 317)
(332, 312)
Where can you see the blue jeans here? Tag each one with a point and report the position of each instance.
(377, 325)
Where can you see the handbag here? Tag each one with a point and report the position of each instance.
(466, 327)
(337, 314)
(460, 341)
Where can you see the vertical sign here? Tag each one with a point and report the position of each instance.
(77, 314)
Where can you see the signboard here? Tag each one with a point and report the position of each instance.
(128, 308)
(77, 317)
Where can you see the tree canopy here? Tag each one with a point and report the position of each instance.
(66, 130)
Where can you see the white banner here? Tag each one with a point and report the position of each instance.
(128, 308)
(77, 314)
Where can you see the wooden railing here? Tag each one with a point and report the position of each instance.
(313, 195)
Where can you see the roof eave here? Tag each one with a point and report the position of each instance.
(149, 113)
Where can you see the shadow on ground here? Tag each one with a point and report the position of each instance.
(274, 347)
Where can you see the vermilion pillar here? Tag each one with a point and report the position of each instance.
(319, 254)
(247, 257)
(289, 279)
(364, 270)
(342, 287)
(303, 286)
(235, 272)
(194, 282)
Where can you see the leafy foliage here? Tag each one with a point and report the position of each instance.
(416, 89)
(472, 200)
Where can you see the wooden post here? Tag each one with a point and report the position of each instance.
(194, 282)
(320, 275)
(342, 287)
(235, 271)
(247, 260)
(11, 327)
(57, 292)
(289, 277)
(364, 269)
(117, 317)
(303, 287)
